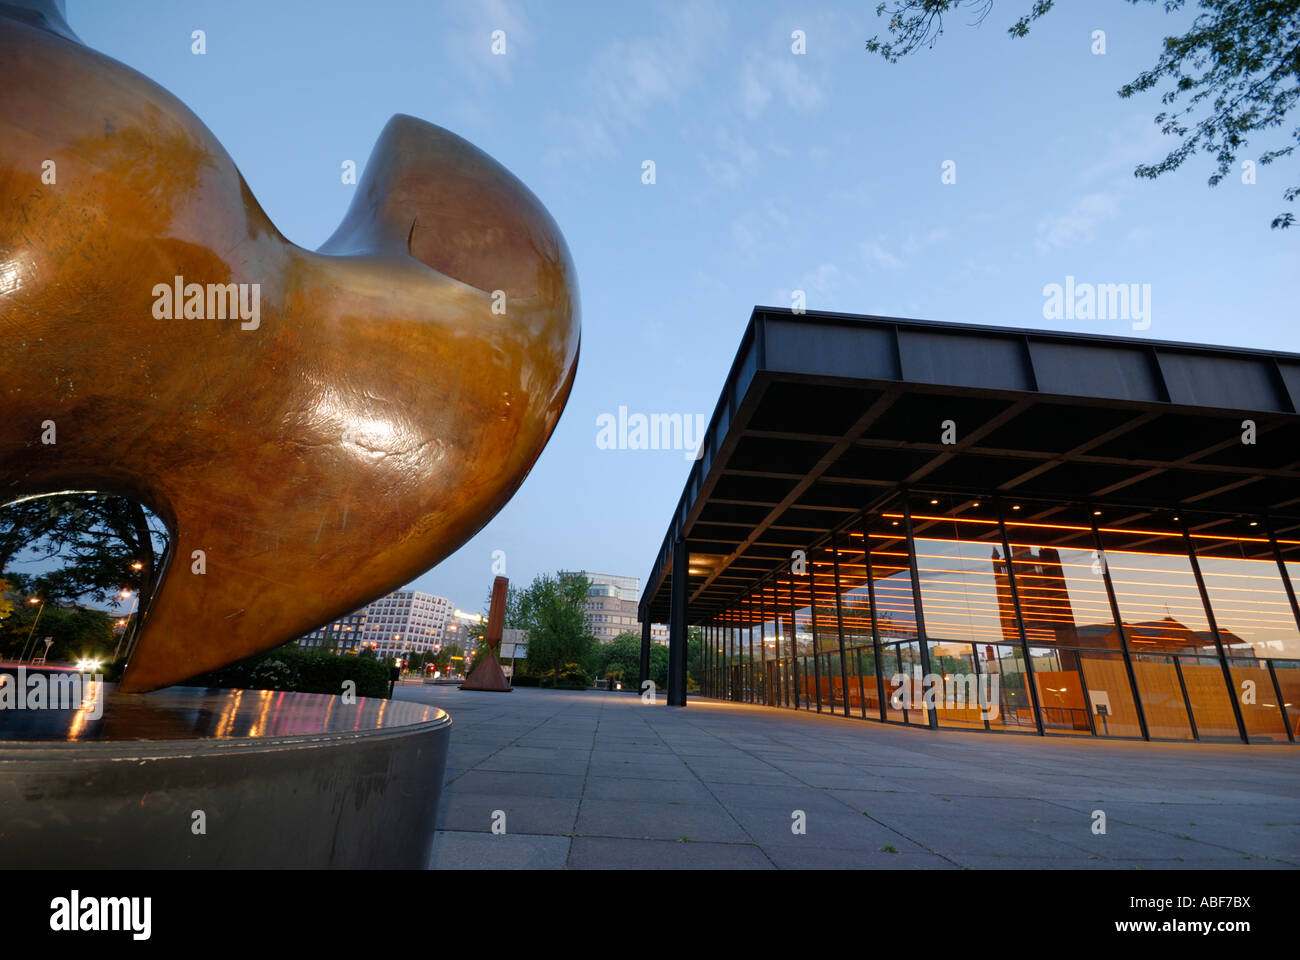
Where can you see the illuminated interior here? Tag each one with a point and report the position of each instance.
(1027, 616)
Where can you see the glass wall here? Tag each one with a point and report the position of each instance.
(972, 638)
(896, 622)
(981, 613)
(804, 660)
(830, 672)
(1076, 653)
(855, 624)
(1166, 625)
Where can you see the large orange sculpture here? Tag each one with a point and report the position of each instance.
(319, 433)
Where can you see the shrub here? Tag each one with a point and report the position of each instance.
(573, 677)
(301, 671)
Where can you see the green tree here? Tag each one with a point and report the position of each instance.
(107, 543)
(1236, 71)
(552, 610)
(659, 666)
(694, 658)
(620, 658)
(77, 632)
(6, 604)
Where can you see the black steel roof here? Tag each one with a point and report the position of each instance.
(822, 413)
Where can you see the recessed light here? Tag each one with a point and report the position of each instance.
(1015, 506)
(1096, 513)
(933, 502)
(1254, 523)
(975, 504)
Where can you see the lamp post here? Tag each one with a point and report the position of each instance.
(124, 594)
(32, 631)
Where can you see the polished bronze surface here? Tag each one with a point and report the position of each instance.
(375, 404)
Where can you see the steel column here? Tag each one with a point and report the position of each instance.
(1020, 623)
(1119, 626)
(921, 639)
(1214, 631)
(677, 629)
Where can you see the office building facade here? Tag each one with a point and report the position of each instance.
(403, 622)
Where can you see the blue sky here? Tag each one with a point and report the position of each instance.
(774, 172)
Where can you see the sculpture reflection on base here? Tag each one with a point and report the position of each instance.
(388, 398)
(223, 778)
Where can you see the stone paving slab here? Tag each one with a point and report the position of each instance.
(598, 780)
(600, 853)
(454, 850)
(476, 812)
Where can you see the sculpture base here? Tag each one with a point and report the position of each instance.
(488, 675)
(221, 778)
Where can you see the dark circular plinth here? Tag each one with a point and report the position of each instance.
(221, 778)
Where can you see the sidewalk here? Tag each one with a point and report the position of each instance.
(599, 780)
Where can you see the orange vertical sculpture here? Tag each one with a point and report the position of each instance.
(316, 428)
(488, 675)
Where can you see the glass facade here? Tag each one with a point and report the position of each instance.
(957, 612)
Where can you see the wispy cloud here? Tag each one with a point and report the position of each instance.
(874, 252)
(790, 78)
(895, 256)
(733, 161)
(629, 78)
(819, 284)
(756, 228)
(1078, 225)
(1137, 140)
(467, 41)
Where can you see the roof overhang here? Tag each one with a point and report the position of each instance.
(823, 414)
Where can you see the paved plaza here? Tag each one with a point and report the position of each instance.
(599, 780)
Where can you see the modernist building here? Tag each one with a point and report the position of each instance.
(611, 606)
(1103, 532)
(405, 621)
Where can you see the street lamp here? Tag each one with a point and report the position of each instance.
(124, 594)
(33, 629)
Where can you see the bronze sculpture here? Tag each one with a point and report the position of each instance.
(315, 428)
(488, 675)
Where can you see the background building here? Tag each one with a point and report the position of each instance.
(405, 621)
(612, 606)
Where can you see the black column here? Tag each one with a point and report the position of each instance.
(839, 621)
(645, 649)
(1014, 589)
(677, 629)
(875, 622)
(1214, 632)
(923, 641)
(1121, 633)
